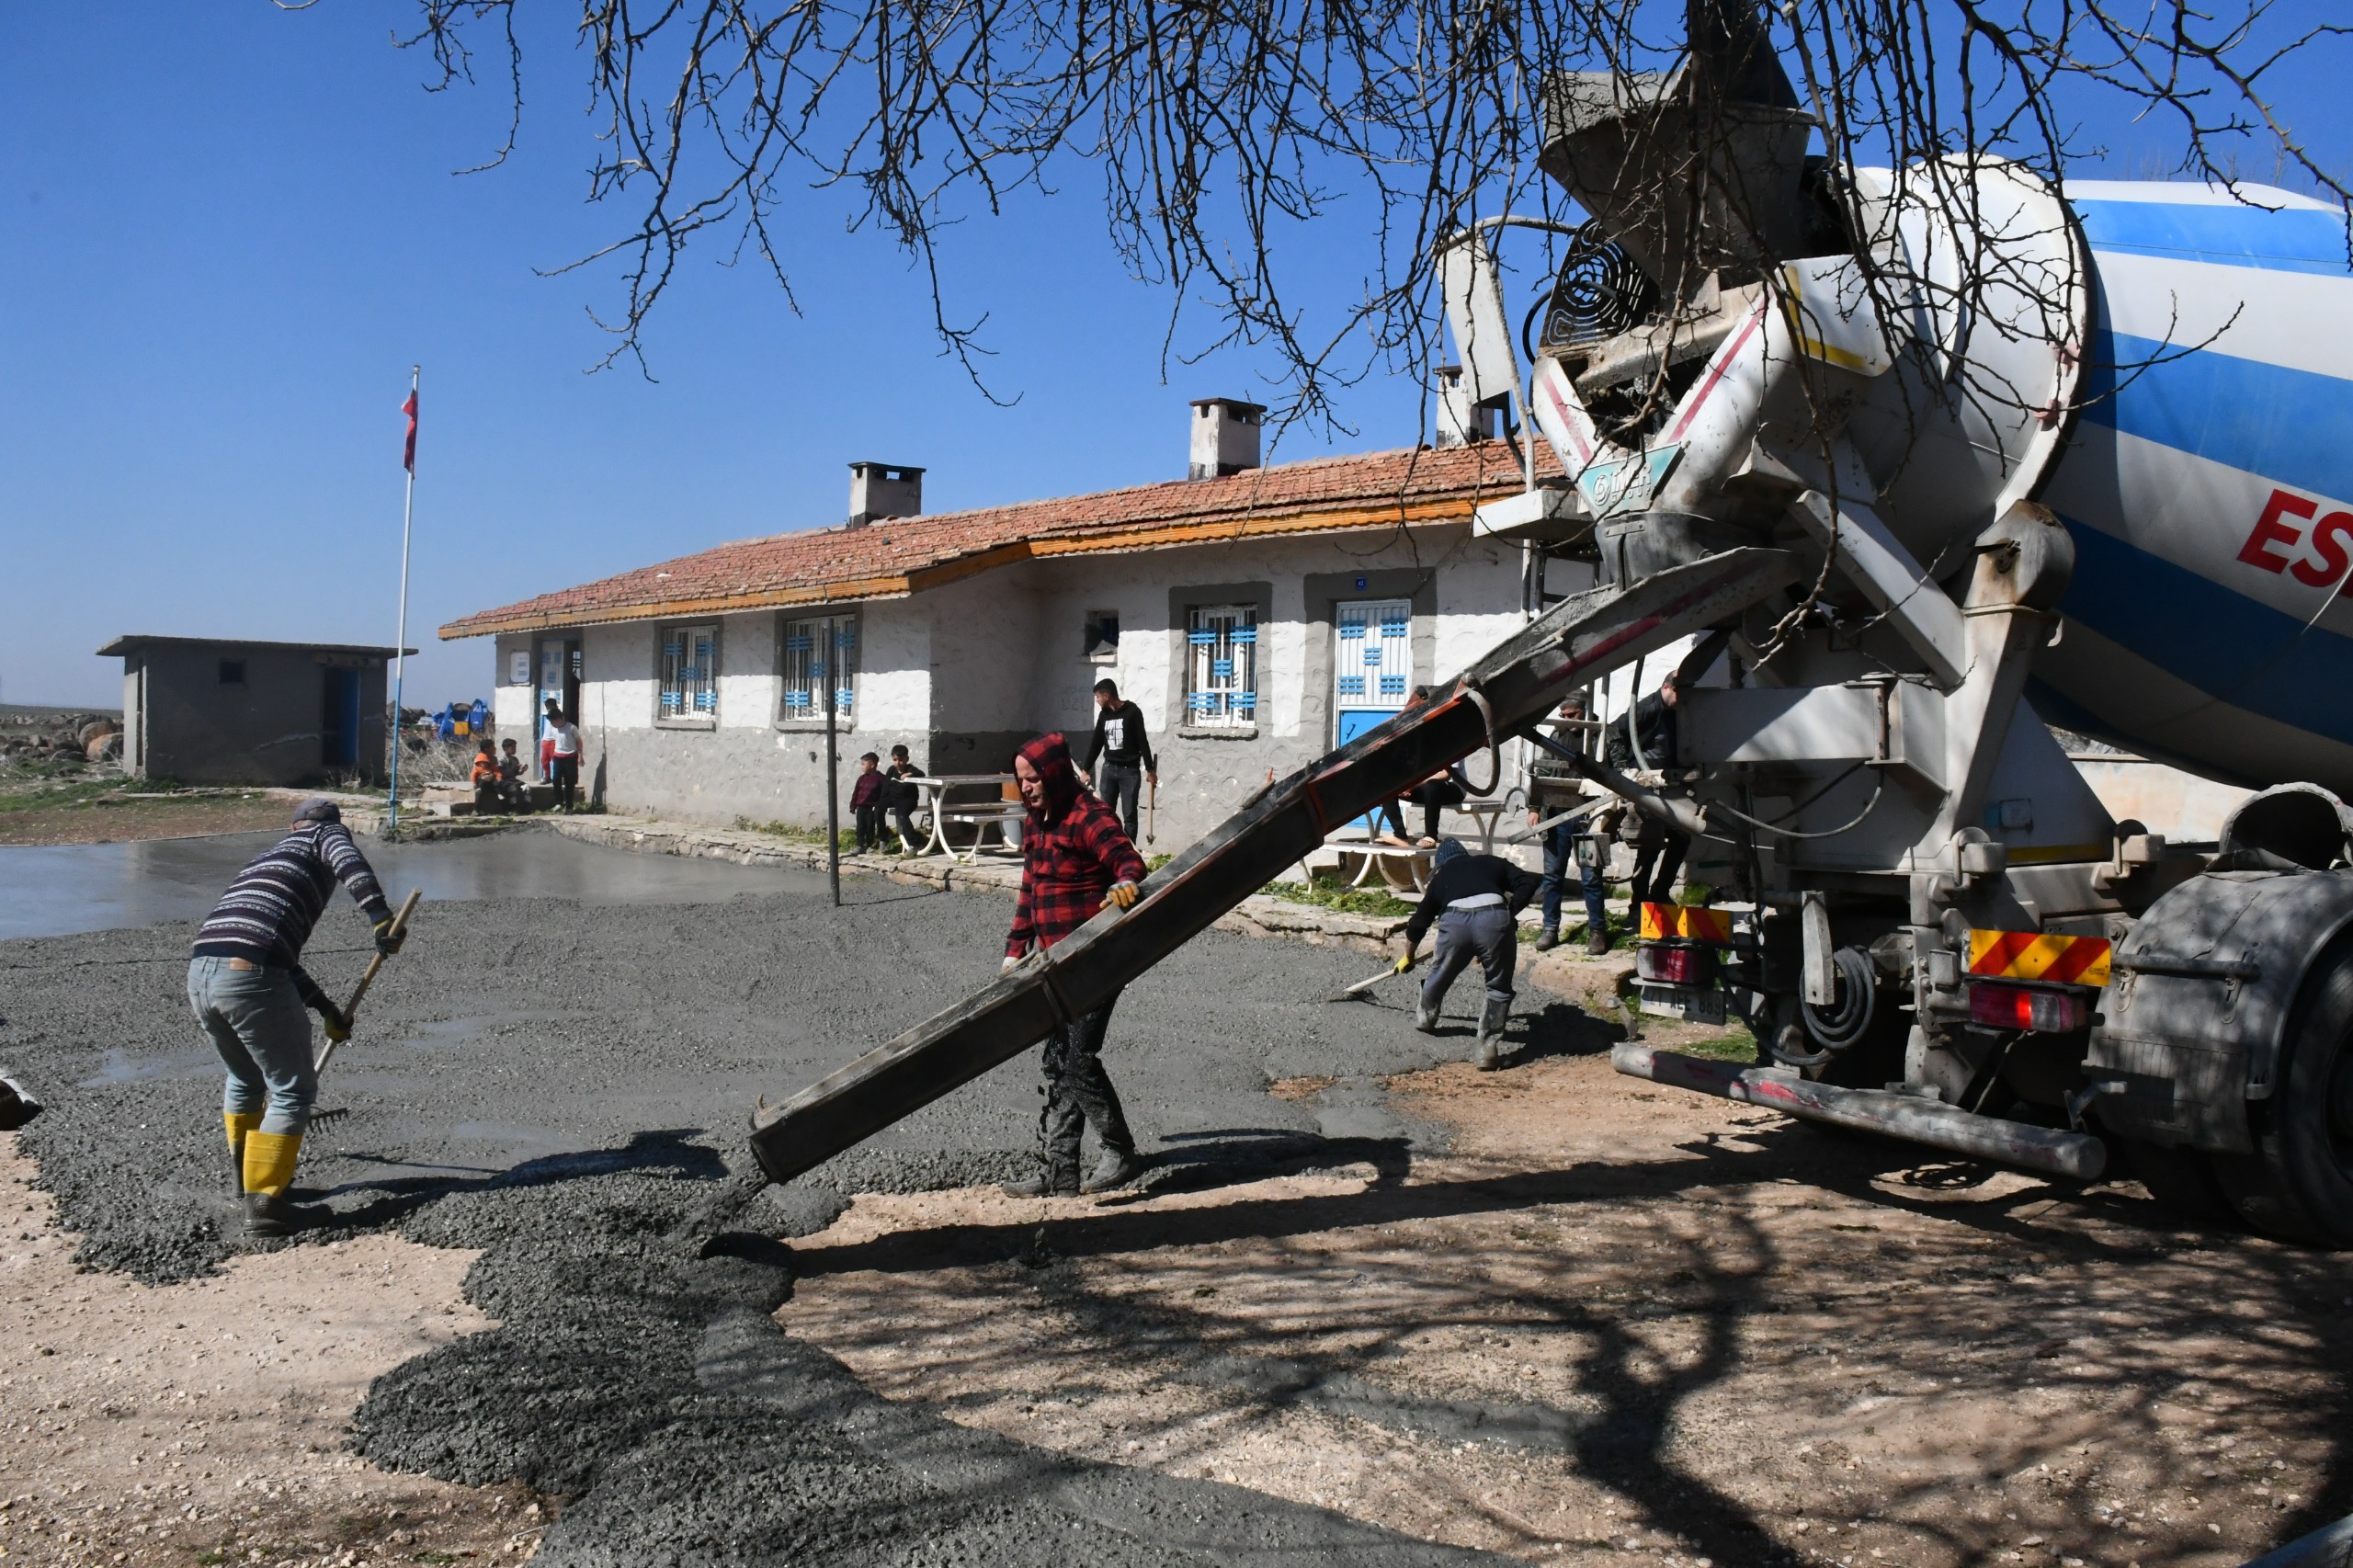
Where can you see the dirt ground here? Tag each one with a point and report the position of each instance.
(203, 1423)
(1625, 1323)
(116, 817)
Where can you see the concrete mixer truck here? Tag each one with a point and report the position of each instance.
(1900, 466)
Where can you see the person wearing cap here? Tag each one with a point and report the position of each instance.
(1475, 901)
(246, 985)
(1075, 859)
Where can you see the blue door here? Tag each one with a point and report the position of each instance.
(339, 719)
(1372, 667)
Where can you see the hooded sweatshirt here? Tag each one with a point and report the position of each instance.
(1072, 852)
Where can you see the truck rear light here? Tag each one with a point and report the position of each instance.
(1674, 966)
(1997, 1005)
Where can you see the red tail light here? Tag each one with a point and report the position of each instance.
(1997, 1005)
(1674, 966)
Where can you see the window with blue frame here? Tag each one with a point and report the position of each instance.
(819, 660)
(1221, 679)
(688, 678)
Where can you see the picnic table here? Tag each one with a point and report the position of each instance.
(980, 815)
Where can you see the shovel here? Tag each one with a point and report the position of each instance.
(1151, 806)
(1364, 987)
(399, 925)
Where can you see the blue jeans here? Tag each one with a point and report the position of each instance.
(1560, 853)
(257, 1023)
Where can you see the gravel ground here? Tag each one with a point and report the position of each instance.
(559, 1084)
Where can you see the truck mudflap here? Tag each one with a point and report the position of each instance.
(1914, 1118)
(1515, 685)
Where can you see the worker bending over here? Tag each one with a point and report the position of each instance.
(1474, 899)
(1075, 859)
(246, 983)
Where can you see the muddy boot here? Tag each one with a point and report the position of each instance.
(238, 1124)
(1425, 1016)
(1491, 1033)
(1117, 1169)
(271, 1214)
(1597, 939)
(268, 1170)
(1045, 1184)
(1547, 939)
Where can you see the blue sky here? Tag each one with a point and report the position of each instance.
(227, 231)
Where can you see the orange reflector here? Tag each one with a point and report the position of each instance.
(2038, 955)
(1691, 921)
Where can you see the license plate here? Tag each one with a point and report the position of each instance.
(1692, 1004)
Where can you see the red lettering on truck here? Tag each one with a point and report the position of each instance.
(2269, 531)
(2329, 538)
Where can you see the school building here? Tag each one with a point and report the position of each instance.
(1258, 616)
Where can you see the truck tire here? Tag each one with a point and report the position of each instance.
(2299, 1182)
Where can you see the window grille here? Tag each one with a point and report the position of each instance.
(1221, 684)
(1374, 669)
(820, 654)
(689, 680)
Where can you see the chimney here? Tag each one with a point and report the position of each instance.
(882, 490)
(1461, 422)
(1226, 437)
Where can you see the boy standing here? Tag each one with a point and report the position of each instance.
(866, 804)
(510, 775)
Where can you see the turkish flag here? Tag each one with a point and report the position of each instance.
(408, 454)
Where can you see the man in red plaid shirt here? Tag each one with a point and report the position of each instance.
(1075, 859)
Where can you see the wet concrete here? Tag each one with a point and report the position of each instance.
(560, 1083)
(55, 891)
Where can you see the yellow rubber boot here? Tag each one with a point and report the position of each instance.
(269, 1171)
(238, 1123)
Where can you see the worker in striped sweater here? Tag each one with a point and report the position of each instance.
(246, 985)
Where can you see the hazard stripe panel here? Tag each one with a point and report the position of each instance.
(1686, 920)
(2039, 955)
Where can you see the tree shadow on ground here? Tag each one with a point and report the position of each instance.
(2016, 1297)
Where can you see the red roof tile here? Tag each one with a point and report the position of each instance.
(905, 555)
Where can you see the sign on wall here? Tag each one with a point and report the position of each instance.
(519, 667)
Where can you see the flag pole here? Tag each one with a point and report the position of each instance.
(400, 640)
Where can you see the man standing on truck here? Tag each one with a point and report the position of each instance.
(1644, 742)
(1126, 753)
(246, 985)
(1074, 860)
(1475, 900)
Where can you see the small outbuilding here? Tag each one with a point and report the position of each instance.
(214, 711)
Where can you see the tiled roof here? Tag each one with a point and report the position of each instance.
(909, 554)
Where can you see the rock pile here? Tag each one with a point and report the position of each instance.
(54, 736)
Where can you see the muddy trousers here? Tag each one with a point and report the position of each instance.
(1489, 934)
(1078, 1092)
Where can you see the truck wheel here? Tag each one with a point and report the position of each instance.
(2298, 1181)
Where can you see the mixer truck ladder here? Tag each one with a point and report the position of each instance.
(1519, 683)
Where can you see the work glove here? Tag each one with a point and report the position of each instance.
(1012, 961)
(1405, 963)
(1124, 894)
(338, 1023)
(388, 941)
